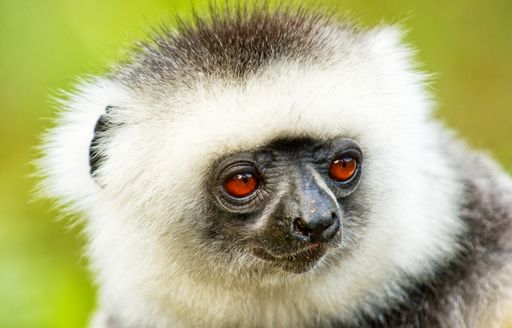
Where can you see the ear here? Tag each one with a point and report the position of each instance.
(73, 150)
(387, 39)
(96, 154)
(388, 47)
(395, 60)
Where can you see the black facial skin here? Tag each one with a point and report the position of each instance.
(296, 213)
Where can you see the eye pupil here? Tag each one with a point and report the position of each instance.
(241, 185)
(343, 169)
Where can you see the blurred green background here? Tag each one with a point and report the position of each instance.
(45, 45)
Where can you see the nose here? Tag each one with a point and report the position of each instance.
(316, 228)
(316, 217)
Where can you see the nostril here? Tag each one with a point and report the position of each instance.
(334, 218)
(318, 229)
(333, 228)
(300, 226)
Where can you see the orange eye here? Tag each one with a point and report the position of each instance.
(343, 169)
(241, 185)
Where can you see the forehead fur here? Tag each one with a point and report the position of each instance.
(232, 43)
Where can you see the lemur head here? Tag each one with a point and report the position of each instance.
(259, 143)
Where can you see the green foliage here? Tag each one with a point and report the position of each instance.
(44, 45)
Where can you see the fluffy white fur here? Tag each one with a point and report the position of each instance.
(149, 268)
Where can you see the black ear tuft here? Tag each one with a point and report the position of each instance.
(95, 155)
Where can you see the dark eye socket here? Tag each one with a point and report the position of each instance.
(241, 185)
(344, 168)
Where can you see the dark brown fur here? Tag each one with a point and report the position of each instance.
(230, 44)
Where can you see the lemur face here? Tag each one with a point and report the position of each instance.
(285, 203)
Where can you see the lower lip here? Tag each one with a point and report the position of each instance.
(315, 249)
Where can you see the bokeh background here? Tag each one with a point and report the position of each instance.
(46, 45)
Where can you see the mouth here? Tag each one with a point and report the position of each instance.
(299, 261)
